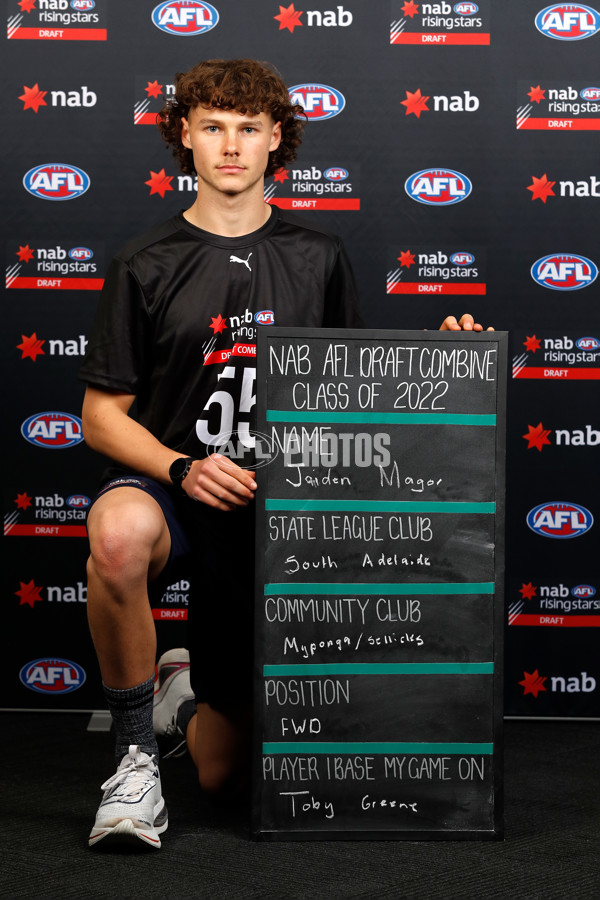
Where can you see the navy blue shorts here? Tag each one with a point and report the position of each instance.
(180, 545)
(219, 554)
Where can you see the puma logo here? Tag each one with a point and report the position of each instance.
(244, 262)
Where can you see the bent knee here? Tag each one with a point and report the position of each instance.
(126, 539)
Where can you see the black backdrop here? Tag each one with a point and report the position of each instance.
(453, 146)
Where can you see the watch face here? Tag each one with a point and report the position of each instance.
(179, 469)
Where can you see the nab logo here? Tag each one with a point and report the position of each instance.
(466, 9)
(265, 317)
(568, 21)
(438, 187)
(52, 430)
(588, 343)
(590, 93)
(336, 173)
(462, 258)
(564, 271)
(185, 18)
(560, 520)
(56, 181)
(318, 101)
(52, 676)
(533, 683)
(584, 590)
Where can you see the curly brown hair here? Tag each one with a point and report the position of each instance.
(245, 85)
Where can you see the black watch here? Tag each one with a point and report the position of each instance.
(179, 469)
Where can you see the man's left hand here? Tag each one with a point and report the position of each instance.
(465, 323)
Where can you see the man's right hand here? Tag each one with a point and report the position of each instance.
(220, 483)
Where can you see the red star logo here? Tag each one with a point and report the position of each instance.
(541, 188)
(533, 683)
(410, 9)
(288, 17)
(406, 258)
(218, 324)
(31, 347)
(159, 182)
(27, 5)
(536, 94)
(281, 175)
(33, 97)
(25, 253)
(23, 501)
(29, 593)
(154, 89)
(537, 437)
(415, 103)
(532, 343)
(528, 591)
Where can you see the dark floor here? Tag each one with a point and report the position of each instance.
(53, 767)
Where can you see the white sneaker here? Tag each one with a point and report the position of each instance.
(132, 806)
(171, 688)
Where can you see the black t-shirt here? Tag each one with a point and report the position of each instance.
(179, 312)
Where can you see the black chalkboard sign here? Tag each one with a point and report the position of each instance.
(379, 593)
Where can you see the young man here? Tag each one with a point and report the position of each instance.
(174, 331)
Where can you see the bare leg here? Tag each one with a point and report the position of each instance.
(130, 544)
(218, 744)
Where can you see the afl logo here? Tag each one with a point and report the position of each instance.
(52, 430)
(438, 187)
(78, 501)
(336, 173)
(83, 4)
(52, 676)
(564, 271)
(317, 100)
(185, 18)
(79, 253)
(462, 258)
(466, 9)
(590, 93)
(56, 181)
(560, 520)
(588, 343)
(568, 21)
(583, 590)
(265, 317)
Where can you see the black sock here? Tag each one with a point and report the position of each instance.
(131, 711)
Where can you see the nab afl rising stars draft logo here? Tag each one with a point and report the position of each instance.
(563, 357)
(440, 24)
(322, 186)
(56, 20)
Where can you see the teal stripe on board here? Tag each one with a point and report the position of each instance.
(381, 506)
(380, 418)
(274, 747)
(460, 668)
(350, 589)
